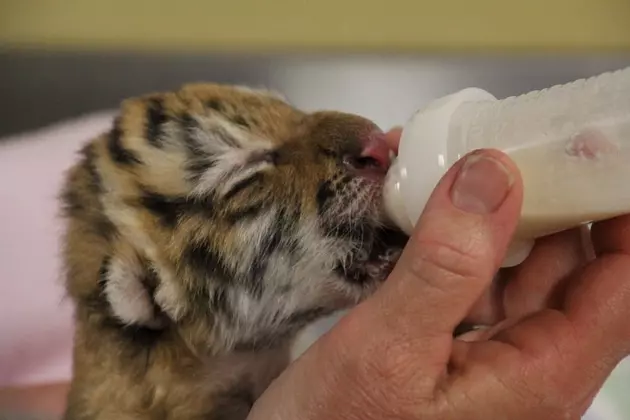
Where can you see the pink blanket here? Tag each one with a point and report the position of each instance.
(36, 319)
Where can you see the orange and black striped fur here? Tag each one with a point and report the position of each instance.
(205, 229)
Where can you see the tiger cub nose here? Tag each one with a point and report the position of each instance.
(374, 158)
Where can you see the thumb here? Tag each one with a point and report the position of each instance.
(456, 248)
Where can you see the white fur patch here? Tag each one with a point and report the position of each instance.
(231, 157)
(126, 294)
(252, 235)
(290, 285)
(169, 298)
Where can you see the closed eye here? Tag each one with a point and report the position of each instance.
(243, 183)
(268, 156)
(362, 162)
(327, 152)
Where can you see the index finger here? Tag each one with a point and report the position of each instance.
(612, 236)
(579, 345)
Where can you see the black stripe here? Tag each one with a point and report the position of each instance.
(103, 227)
(223, 136)
(189, 124)
(72, 204)
(215, 104)
(268, 156)
(200, 205)
(280, 237)
(292, 245)
(300, 319)
(166, 208)
(206, 262)
(197, 166)
(294, 250)
(155, 118)
(207, 265)
(116, 150)
(234, 403)
(170, 208)
(243, 184)
(359, 231)
(89, 157)
(239, 120)
(273, 157)
(219, 303)
(245, 213)
(150, 281)
(141, 337)
(325, 193)
(269, 246)
(95, 301)
(103, 272)
(355, 275)
(327, 152)
(197, 160)
(291, 214)
(288, 218)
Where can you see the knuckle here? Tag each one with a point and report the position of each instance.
(390, 372)
(390, 366)
(441, 265)
(520, 391)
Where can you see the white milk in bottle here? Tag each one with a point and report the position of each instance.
(571, 144)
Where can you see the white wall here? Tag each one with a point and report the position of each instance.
(389, 89)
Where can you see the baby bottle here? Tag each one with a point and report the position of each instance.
(571, 144)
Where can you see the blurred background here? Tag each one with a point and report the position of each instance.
(63, 58)
(66, 64)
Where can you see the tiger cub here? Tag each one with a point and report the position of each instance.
(203, 231)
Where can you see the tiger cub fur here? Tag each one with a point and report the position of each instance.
(203, 231)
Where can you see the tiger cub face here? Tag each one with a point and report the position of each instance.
(229, 211)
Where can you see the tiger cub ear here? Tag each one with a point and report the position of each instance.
(129, 285)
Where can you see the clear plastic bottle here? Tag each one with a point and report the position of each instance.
(570, 142)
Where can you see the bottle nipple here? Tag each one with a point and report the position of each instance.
(517, 252)
(393, 202)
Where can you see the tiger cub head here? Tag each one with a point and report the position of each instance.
(230, 214)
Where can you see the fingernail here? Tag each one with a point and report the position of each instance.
(482, 184)
(476, 334)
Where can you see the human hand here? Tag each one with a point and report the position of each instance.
(559, 322)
